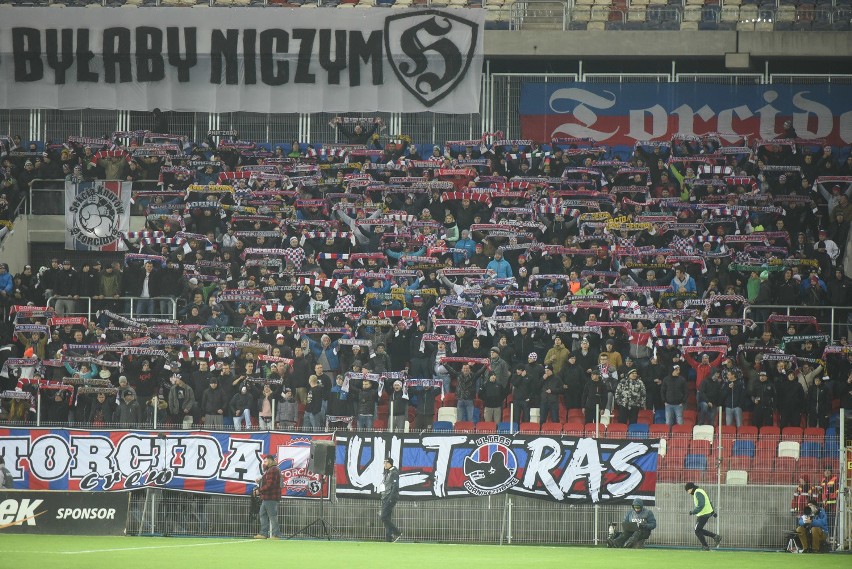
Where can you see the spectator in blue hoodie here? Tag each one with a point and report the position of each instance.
(467, 244)
(500, 266)
(7, 288)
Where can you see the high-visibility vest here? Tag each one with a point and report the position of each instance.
(829, 490)
(708, 507)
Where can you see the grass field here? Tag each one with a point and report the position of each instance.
(69, 552)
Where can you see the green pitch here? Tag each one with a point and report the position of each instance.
(70, 552)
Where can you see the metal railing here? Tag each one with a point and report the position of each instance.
(164, 306)
(539, 14)
(500, 103)
(47, 197)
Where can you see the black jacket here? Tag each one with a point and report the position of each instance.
(673, 390)
(594, 393)
(492, 394)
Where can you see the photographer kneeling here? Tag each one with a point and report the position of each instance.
(637, 526)
(813, 527)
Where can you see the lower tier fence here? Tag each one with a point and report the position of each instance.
(751, 517)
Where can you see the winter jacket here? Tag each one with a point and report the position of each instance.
(673, 390)
(630, 394)
(734, 396)
(492, 394)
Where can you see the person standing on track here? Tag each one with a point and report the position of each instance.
(269, 491)
(390, 494)
(703, 511)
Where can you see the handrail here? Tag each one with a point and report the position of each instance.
(523, 10)
(121, 299)
(60, 189)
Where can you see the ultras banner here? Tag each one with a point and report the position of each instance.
(96, 214)
(198, 461)
(242, 59)
(624, 113)
(562, 469)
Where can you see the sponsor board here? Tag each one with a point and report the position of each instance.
(62, 513)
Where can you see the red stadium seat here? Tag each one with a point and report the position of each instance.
(793, 434)
(659, 431)
(747, 432)
(646, 416)
(770, 433)
(529, 428)
(464, 427)
(814, 434)
(577, 414)
(785, 470)
(700, 447)
(486, 427)
(810, 467)
(616, 431)
(573, 429)
(761, 476)
(739, 463)
(589, 430)
(552, 428)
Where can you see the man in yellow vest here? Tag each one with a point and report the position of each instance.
(703, 511)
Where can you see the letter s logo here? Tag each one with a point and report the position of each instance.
(430, 52)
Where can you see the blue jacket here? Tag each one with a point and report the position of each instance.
(501, 267)
(820, 520)
(6, 283)
(468, 245)
(330, 352)
(689, 286)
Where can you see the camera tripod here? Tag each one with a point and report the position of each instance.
(326, 528)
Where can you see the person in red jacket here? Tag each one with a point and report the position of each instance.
(269, 492)
(705, 367)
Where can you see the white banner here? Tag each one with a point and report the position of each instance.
(96, 214)
(241, 59)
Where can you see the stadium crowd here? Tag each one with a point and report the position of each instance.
(361, 285)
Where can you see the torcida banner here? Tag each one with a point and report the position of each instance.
(455, 465)
(242, 59)
(195, 461)
(626, 113)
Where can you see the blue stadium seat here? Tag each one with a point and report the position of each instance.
(743, 448)
(507, 427)
(637, 431)
(810, 449)
(442, 427)
(660, 417)
(695, 462)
